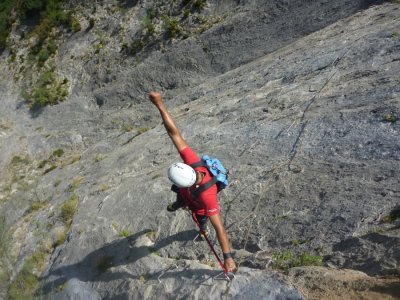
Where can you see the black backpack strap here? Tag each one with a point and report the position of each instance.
(204, 187)
(175, 189)
(200, 163)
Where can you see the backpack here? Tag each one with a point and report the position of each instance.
(217, 170)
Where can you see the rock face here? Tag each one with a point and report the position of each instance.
(343, 284)
(305, 120)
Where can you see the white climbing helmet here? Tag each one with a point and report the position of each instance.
(182, 175)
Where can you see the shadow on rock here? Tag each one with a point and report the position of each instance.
(373, 253)
(120, 252)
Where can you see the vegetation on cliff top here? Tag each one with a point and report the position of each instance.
(50, 14)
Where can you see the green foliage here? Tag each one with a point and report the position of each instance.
(68, 209)
(60, 238)
(17, 160)
(142, 130)
(4, 239)
(6, 7)
(51, 14)
(76, 183)
(42, 164)
(48, 90)
(4, 252)
(286, 260)
(186, 13)
(31, 5)
(43, 55)
(124, 233)
(26, 283)
(52, 47)
(36, 205)
(137, 45)
(92, 21)
(99, 157)
(58, 152)
(199, 4)
(104, 187)
(393, 216)
(73, 22)
(51, 168)
(391, 118)
(152, 13)
(147, 25)
(171, 26)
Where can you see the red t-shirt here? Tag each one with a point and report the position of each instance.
(206, 204)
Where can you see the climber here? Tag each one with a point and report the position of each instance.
(205, 205)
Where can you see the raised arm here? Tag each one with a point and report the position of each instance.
(169, 123)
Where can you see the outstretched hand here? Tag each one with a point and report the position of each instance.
(230, 265)
(155, 98)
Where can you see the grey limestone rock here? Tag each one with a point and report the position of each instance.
(303, 115)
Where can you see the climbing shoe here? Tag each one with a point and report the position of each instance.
(174, 206)
(203, 234)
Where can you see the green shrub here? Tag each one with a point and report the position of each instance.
(104, 187)
(142, 130)
(60, 238)
(51, 14)
(35, 206)
(124, 233)
(199, 4)
(48, 90)
(52, 47)
(391, 118)
(186, 13)
(76, 183)
(147, 25)
(30, 5)
(58, 152)
(6, 7)
(73, 23)
(286, 260)
(51, 168)
(17, 160)
(152, 13)
(137, 45)
(68, 209)
(43, 55)
(393, 216)
(42, 164)
(171, 26)
(92, 21)
(4, 238)
(26, 283)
